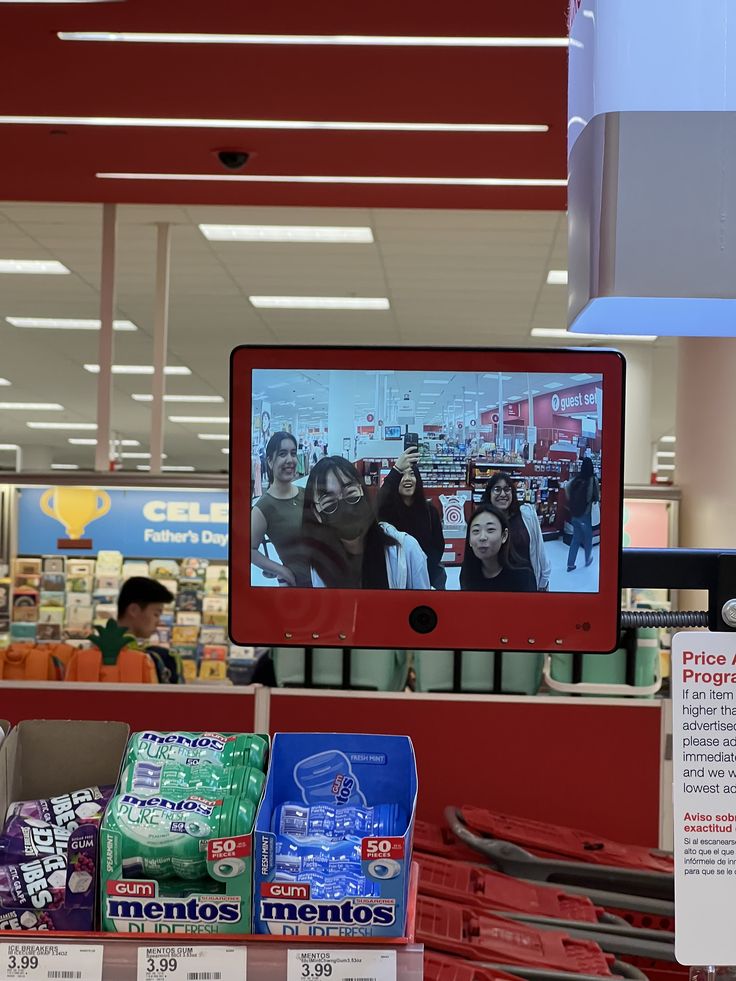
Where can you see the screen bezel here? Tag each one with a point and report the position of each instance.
(465, 620)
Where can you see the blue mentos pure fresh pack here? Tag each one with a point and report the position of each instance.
(332, 841)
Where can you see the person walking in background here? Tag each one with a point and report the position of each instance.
(401, 503)
(345, 546)
(525, 530)
(582, 492)
(490, 562)
(278, 514)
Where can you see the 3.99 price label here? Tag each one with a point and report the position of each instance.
(321, 964)
(50, 962)
(208, 963)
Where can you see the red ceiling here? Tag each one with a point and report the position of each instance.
(45, 76)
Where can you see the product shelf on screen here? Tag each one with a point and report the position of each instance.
(266, 958)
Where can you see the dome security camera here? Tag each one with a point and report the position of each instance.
(233, 159)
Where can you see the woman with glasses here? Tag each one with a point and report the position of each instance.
(490, 562)
(401, 502)
(524, 528)
(278, 514)
(345, 546)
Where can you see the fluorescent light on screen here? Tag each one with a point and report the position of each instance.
(288, 233)
(320, 303)
(68, 323)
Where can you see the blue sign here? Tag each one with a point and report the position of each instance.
(139, 523)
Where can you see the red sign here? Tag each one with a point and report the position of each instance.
(382, 848)
(370, 417)
(285, 890)
(495, 419)
(576, 401)
(459, 424)
(130, 887)
(237, 847)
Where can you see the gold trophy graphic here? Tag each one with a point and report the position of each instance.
(74, 508)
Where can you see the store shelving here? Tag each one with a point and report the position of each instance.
(266, 956)
(538, 482)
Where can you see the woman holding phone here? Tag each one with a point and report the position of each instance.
(401, 503)
(344, 545)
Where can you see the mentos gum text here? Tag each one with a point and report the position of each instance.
(67, 810)
(26, 838)
(146, 779)
(194, 748)
(166, 837)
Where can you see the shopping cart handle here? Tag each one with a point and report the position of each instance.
(514, 860)
(595, 688)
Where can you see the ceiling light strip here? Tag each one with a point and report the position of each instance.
(341, 179)
(173, 122)
(351, 40)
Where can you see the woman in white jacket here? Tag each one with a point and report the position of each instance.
(344, 545)
(526, 533)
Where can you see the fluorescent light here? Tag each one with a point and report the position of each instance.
(668, 439)
(225, 450)
(4, 381)
(665, 466)
(218, 420)
(63, 466)
(280, 385)
(666, 454)
(362, 40)
(146, 466)
(288, 233)
(139, 456)
(662, 480)
(221, 437)
(335, 179)
(557, 277)
(88, 426)
(319, 303)
(569, 335)
(9, 446)
(553, 385)
(581, 377)
(139, 369)
(323, 125)
(437, 381)
(144, 397)
(83, 441)
(37, 267)
(33, 406)
(67, 323)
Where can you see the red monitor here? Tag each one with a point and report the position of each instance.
(493, 521)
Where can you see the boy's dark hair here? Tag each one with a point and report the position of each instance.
(141, 590)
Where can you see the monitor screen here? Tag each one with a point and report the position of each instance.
(494, 485)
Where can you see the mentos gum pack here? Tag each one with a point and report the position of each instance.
(176, 838)
(148, 779)
(333, 836)
(192, 748)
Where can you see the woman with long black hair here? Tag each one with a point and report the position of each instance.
(278, 514)
(344, 545)
(401, 502)
(582, 492)
(490, 562)
(524, 529)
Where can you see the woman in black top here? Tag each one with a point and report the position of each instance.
(489, 562)
(401, 502)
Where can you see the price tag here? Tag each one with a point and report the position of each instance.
(50, 962)
(206, 963)
(323, 964)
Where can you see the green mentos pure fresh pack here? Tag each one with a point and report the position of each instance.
(332, 844)
(176, 839)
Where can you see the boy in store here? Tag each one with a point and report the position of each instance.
(140, 605)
